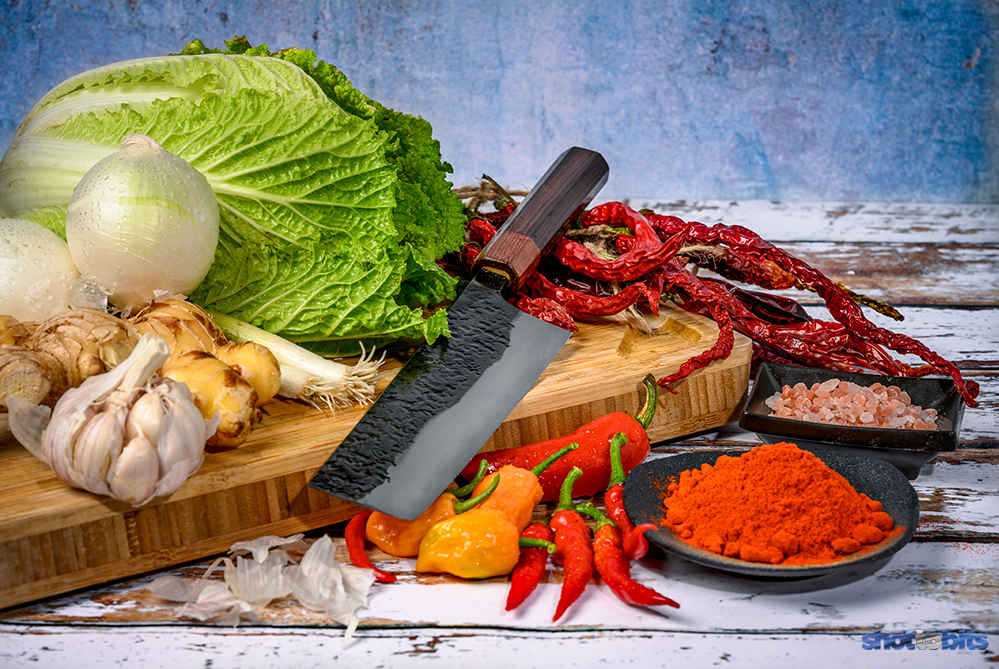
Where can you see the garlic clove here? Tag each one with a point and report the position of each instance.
(145, 418)
(135, 473)
(96, 449)
(181, 449)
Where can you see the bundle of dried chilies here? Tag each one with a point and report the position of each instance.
(630, 258)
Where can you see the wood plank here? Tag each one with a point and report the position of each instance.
(81, 646)
(953, 275)
(261, 487)
(849, 222)
(956, 588)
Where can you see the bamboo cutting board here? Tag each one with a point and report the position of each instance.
(54, 539)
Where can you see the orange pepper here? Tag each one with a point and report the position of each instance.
(401, 538)
(520, 490)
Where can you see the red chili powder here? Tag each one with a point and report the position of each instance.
(775, 504)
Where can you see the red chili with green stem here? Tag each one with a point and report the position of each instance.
(633, 538)
(592, 456)
(613, 565)
(574, 548)
(354, 538)
(531, 566)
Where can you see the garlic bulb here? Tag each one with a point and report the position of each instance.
(143, 220)
(127, 433)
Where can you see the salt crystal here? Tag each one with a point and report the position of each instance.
(829, 385)
(840, 402)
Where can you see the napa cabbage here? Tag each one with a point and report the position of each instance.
(333, 208)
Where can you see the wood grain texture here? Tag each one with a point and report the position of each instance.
(943, 580)
(54, 539)
(852, 222)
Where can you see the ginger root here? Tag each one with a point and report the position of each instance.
(216, 387)
(84, 342)
(12, 331)
(255, 363)
(28, 374)
(183, 325)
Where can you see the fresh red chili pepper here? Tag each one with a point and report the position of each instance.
(354, 539)
(574, 550)
(531, 566)
(614, 567)
(592, 456)
(633, 539)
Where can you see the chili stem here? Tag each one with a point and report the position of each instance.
(461, 506)
(544, 464)
(476, 480)
(648, 410)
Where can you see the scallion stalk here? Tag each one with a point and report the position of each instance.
(306, 375)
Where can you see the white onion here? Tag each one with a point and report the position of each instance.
(37, 274)
(142, 221)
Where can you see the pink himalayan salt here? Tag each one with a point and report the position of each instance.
(837, 402)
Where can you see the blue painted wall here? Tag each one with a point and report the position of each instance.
(786, 100)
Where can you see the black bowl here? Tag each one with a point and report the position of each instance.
(645, 487)
(908, 450)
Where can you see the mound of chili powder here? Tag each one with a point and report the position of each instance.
(776, 504)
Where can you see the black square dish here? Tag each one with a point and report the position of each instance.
(908, 450)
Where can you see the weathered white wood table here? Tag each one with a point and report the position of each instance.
(938, 263)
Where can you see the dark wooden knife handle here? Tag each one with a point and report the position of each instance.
(544, 215)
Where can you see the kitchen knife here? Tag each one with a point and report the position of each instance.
(449, 398)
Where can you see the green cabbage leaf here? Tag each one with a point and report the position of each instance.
(333, 208)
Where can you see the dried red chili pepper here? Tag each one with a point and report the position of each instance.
(722, 348)
(633, 539)
(839, 303)
(574, 550)
(592, 456)
(548, 310)
(480, 231)
(614, 568)
(645, 252)
(819, 343)
(732, 263)
(583, 305)
(531, 566)
(354, 539)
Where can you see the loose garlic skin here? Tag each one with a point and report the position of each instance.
(143, 220)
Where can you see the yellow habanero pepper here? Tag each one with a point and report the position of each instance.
(481, 543)
(401, 538)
